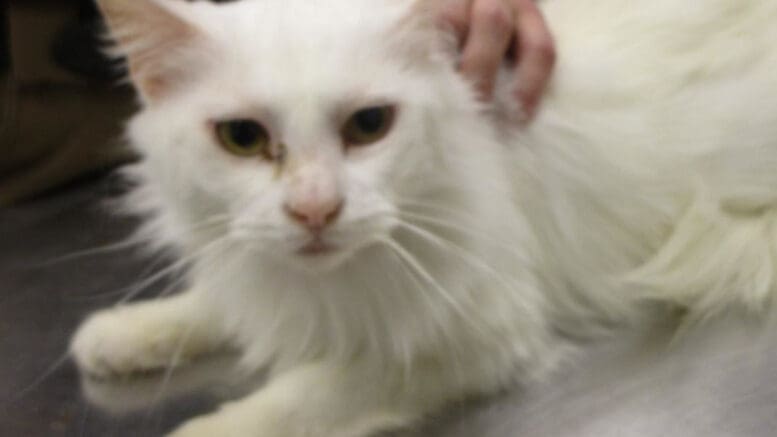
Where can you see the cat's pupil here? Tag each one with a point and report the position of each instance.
(244, 132)
(370, 120)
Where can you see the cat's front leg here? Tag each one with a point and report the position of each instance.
(145, 337)
(328, 400)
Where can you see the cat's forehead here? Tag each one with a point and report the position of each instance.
(335, 48)
(263, 24)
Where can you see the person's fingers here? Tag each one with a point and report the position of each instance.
(536, 55)
(490, 32)
(455, 15)
(485, 29)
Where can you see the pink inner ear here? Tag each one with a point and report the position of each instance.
(154, 40)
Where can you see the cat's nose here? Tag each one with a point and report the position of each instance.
(315, 216)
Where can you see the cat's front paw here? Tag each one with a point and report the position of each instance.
(227, 424)
(207, 426)
(247, 418)
(130, 341)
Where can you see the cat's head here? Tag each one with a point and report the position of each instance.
(294, 128)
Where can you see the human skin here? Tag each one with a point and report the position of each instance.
(490, 31)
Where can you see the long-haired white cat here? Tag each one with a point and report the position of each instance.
(360, 225)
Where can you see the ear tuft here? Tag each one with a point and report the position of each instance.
(154, 40)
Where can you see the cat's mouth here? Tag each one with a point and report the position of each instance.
(316, 247)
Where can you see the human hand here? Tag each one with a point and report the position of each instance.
(490, 31)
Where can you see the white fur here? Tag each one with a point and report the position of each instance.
(647, 177)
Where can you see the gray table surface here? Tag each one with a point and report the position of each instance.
(719, 380)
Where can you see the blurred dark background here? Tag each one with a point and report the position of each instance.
(5, 59)
(61, 106)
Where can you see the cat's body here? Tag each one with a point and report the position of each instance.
(679, 109)
(466, 252)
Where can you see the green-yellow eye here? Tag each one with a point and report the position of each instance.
(244, 137)
(368, 125)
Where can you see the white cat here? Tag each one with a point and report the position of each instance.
(359, 224)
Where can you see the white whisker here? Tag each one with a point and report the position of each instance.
(178, 265)
(458, 251)
(56, 365)
(99, 250)
(129, 242)
(481, 236)
(448, 211)
(175, 360)
(416, 267)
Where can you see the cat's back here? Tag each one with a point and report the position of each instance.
(655, 149)
(659, 46)
(694, 73)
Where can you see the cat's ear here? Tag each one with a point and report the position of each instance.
(155, 40)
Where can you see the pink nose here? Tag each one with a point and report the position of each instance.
(315, 216)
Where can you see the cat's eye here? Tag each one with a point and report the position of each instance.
(368, 125)
(244, 137)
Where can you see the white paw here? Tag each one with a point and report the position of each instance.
(224, 424)
(205, 426)
(128, 341)
(247, 419)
